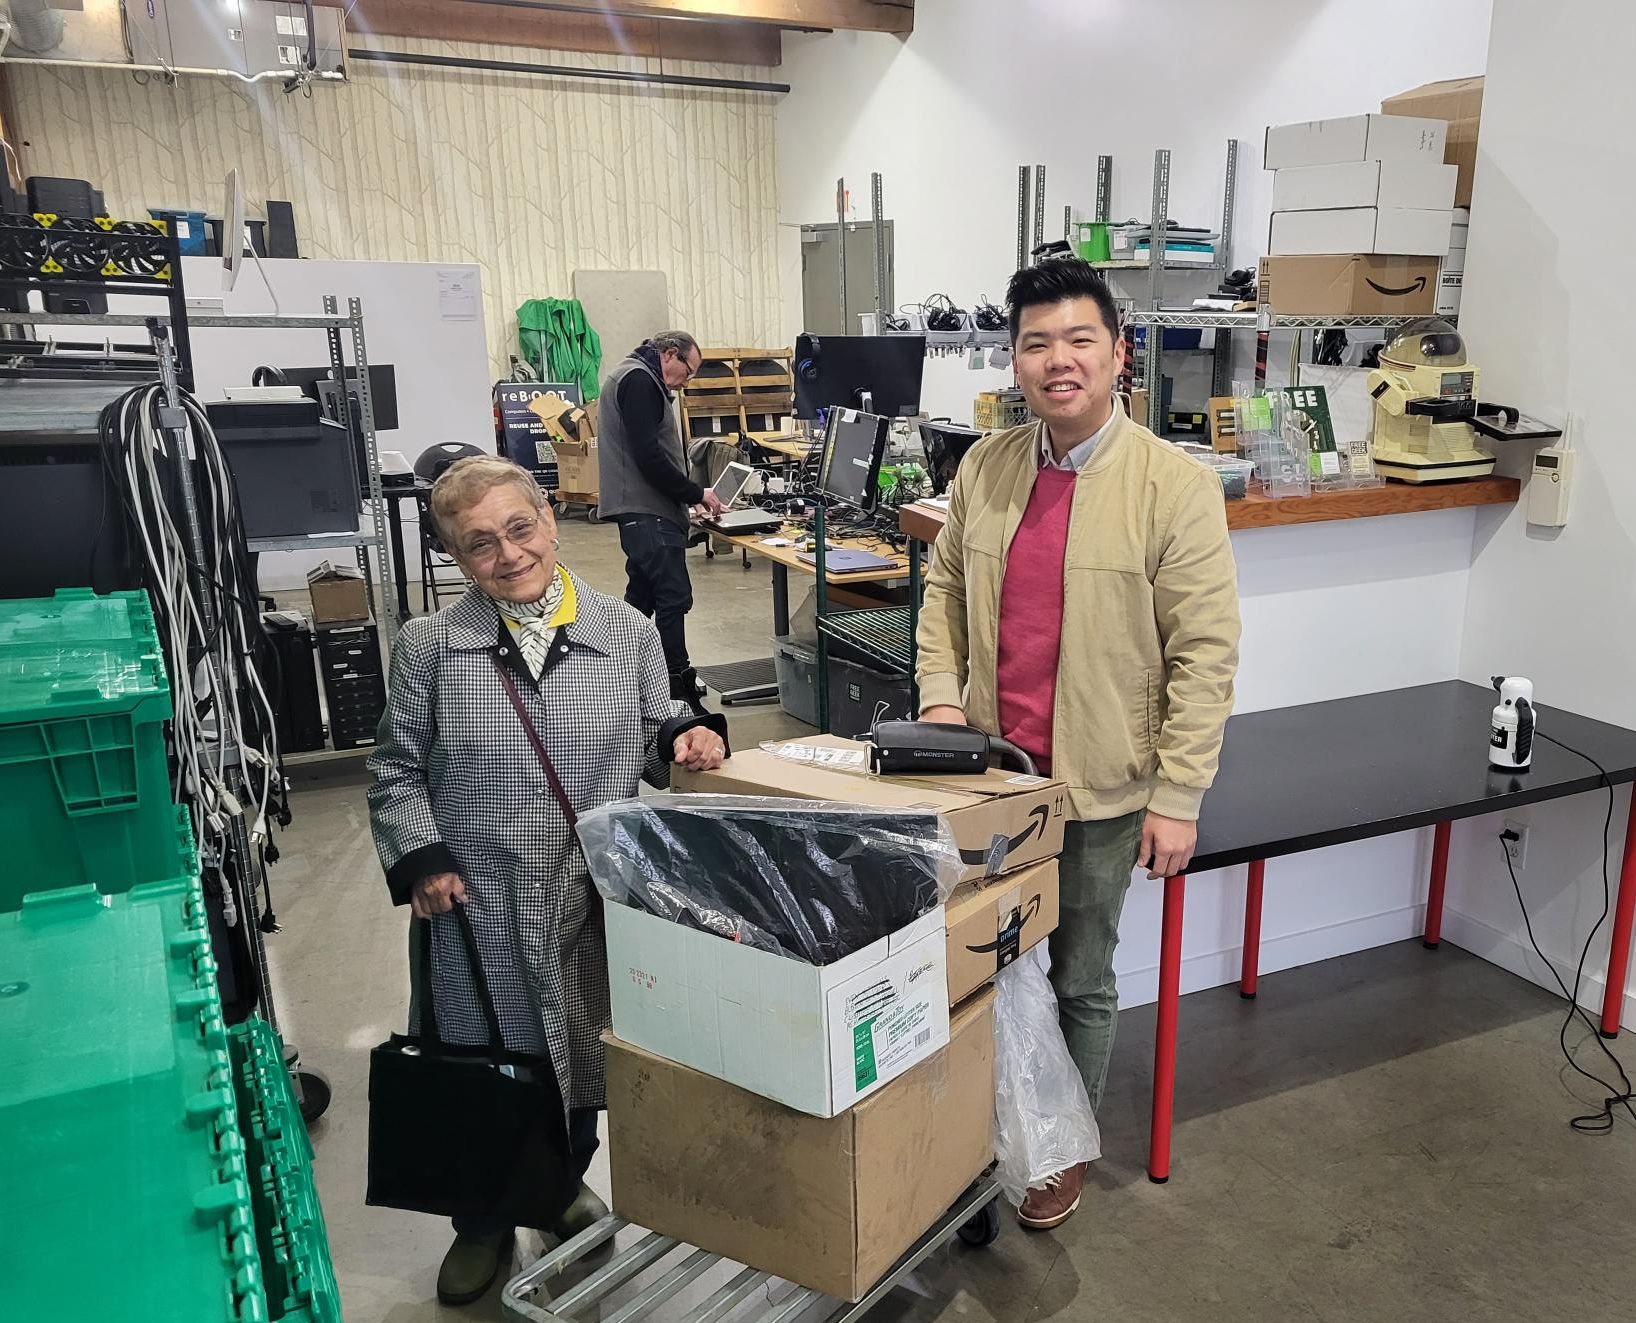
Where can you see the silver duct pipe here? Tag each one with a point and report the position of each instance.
(35, 26)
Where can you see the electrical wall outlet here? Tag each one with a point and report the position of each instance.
(1517, 849)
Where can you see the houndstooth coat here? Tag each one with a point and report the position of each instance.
(458, 788)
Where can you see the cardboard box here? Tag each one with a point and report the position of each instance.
(1450, 99)
(568, 425)
(813, 1037)
(1001, 821)
(1394, 231)
(339, 594)
(1460, 102)
(829, 1204)
(1461, 153)
(1454, 260)
(1450, 285)
(1354, 138)
(579, 472)
(1349, 284)
(990, 924)
(1420, 184)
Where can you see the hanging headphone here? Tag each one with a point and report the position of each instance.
(268, 376)
(987, 316)
(942, 315)
(807, 368)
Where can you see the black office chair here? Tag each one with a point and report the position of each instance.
(433, 555)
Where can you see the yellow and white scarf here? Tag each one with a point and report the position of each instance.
(533, 624)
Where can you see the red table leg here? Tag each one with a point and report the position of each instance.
(1619, 948)
(1434, 895)
(1251, 968)
(1164, 1033)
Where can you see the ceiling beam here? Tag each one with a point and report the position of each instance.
(564, 28)
(849, 15)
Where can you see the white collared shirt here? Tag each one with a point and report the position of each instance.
(1080, 455)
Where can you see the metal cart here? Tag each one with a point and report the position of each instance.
(590, 1285)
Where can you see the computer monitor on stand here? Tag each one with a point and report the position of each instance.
(854, 448)
(878, 374)
(945, 446)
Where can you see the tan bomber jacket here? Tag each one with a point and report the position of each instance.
(1150, 618)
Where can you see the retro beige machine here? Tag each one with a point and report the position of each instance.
(1425, 395)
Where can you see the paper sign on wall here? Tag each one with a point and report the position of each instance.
(456, 295)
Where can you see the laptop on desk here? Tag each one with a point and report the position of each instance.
(727, 489)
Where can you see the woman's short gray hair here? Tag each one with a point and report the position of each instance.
(680, 343)
(465, 482)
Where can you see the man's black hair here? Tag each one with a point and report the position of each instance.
(1057, 281)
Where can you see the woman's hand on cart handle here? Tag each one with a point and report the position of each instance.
(437, 894)
(699, 749)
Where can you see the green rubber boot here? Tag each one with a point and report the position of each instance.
(585, 1212)
(470, 1267)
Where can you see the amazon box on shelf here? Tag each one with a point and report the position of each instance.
(1001, 821)
(1361, 284)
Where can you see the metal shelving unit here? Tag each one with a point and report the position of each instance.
(339, 326)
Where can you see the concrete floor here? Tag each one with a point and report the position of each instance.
(1381, 1136)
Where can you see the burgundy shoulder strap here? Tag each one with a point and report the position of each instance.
(551, 777)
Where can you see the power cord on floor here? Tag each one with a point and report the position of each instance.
(1596, 1123)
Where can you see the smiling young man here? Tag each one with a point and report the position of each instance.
(1083, 604)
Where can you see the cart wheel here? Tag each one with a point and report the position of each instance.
(984, 1227)
(561, 507)
(315, 1096)
(592, 515)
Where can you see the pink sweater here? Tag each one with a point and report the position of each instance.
(1030, 628)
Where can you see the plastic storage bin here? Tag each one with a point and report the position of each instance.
(297, 1273)
(1234, 474)
(187, 226)
(797, 667)
(85, 791)
(119, 1129)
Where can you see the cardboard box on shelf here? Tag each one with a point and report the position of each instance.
(1461, 153)
(1419, 184)
(813, 1037)
(1001, 821)
(990, 924)
(1363, 285)
(1391, 231)
(1450, 99)
(1354, 138)
(339, 594)
(1450, 285)
(1460, 102)
(1454, 260)
(829, 1204)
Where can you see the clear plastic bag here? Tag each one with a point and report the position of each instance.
(1043, 1121)
(812, 881)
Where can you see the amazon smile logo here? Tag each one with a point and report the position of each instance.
(1419, 284)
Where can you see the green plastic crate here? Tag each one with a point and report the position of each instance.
(85, 792)
(296, 1269)
(119, 1127)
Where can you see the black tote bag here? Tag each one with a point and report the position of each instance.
(462, 1131)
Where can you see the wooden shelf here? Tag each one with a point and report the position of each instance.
(738, 385)
(1258, 511)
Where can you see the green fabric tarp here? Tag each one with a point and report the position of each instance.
(560, 345)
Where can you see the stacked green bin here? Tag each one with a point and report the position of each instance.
(126, 1188)
(295, 1262)
(85, 794)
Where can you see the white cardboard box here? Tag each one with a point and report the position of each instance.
(1355, 138)
(1454, 259)
(1450, 285)
(1394, 231)
(1421, 184)
(813, 1037)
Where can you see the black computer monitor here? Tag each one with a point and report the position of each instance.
(945, 446)
(383, 388)
(879, 373)
(854, 445)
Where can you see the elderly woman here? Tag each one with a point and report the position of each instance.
(464, 810)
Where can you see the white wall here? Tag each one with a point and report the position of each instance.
(1544, 318)
(980, 88)
(948, 115)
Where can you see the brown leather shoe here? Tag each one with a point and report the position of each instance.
(1052, 1204)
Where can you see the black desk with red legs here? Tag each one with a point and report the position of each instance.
(1301, 778)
